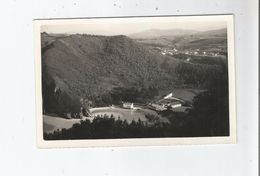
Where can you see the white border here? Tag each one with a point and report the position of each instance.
(41, 143)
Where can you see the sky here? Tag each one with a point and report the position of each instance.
(126, 26)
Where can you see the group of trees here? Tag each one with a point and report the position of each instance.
(92, 66)
(210, 112)
(208, 116)
(108, 127)
(131, 94)
(197, 75)
(55, 100)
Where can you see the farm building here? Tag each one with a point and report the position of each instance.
(128, 105)
(171, 97)
(158, 107)
(168, 96)
(171, 103)
(166, 103)
(163, 53)
(175, 105)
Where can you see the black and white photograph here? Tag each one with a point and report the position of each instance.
(135, 80)
(129, 87)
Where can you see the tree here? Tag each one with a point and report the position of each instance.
(210, 112)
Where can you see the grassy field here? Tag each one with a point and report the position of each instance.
(51, 123)
(186, 94)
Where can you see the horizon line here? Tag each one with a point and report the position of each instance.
(129, 34)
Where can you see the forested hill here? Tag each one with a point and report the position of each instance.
(94, 67)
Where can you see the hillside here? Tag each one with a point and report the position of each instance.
(84, 66)
(105, 70)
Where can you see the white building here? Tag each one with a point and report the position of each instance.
(128, 105)
(175, 105)
(158, 107)
(168, 96)
(163, 106)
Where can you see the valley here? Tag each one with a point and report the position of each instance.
(83, 74)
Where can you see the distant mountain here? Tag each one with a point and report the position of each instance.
(205, 39)
(156, 33)
(216, 33)
(182, 38)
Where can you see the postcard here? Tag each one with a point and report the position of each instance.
(135, 81)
